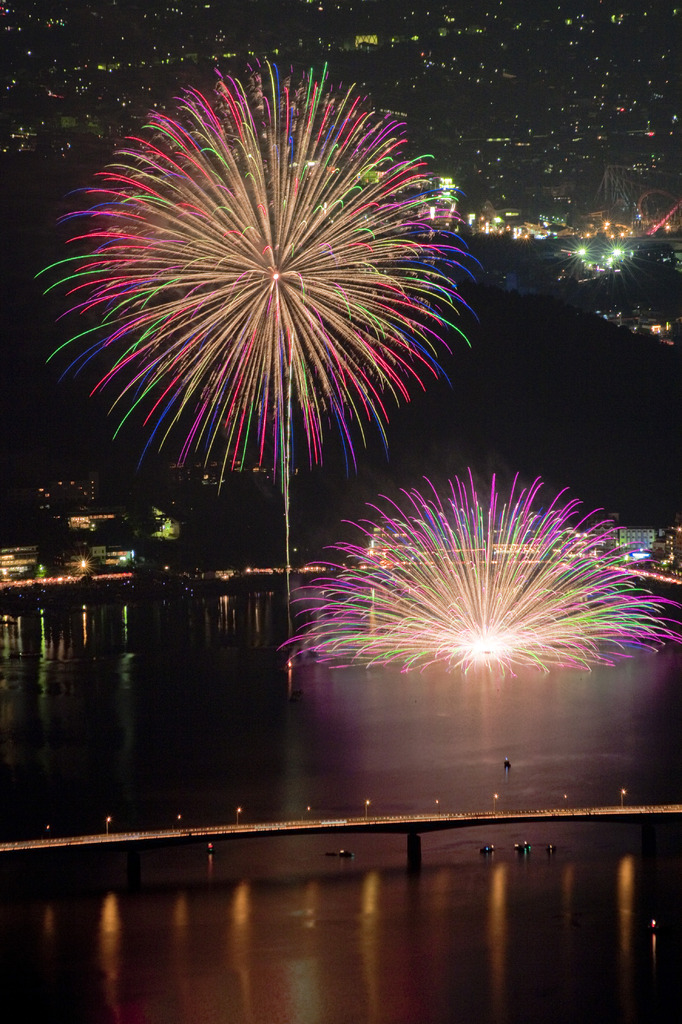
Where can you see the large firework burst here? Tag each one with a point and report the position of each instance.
(260, 259)
(463, 584)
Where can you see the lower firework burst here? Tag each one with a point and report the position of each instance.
(507, 585)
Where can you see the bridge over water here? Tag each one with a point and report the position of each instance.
(410, 825)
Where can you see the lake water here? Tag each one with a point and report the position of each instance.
(145, 712)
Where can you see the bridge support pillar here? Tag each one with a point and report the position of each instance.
(648, 840)
(414, 851)
(134, 869)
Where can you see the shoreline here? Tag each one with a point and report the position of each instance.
(32, 596)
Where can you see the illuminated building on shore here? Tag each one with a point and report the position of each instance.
(638, 538)
(18, 562)
(66, 491)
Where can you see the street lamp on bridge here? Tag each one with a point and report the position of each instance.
(494, 803)
(367, 803)
(239, 811)
(622, 794)
(107, 822)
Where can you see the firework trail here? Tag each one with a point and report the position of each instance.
(467, 585)
(258, 264)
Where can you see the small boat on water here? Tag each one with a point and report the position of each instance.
(487, 849)
(339, 853)
(522, 847)
(507, 764)
(551, 848)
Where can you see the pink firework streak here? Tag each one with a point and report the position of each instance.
(459, 583)
(259, 264)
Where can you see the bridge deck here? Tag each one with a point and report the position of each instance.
(411, 824)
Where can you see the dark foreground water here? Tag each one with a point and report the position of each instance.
(143, 713)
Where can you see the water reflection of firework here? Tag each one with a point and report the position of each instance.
(464, 584)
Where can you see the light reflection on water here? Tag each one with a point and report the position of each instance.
(109, 951)
(144, 712)
(497, 938)
(461, 941)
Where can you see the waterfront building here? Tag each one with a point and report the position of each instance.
(18, 562)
